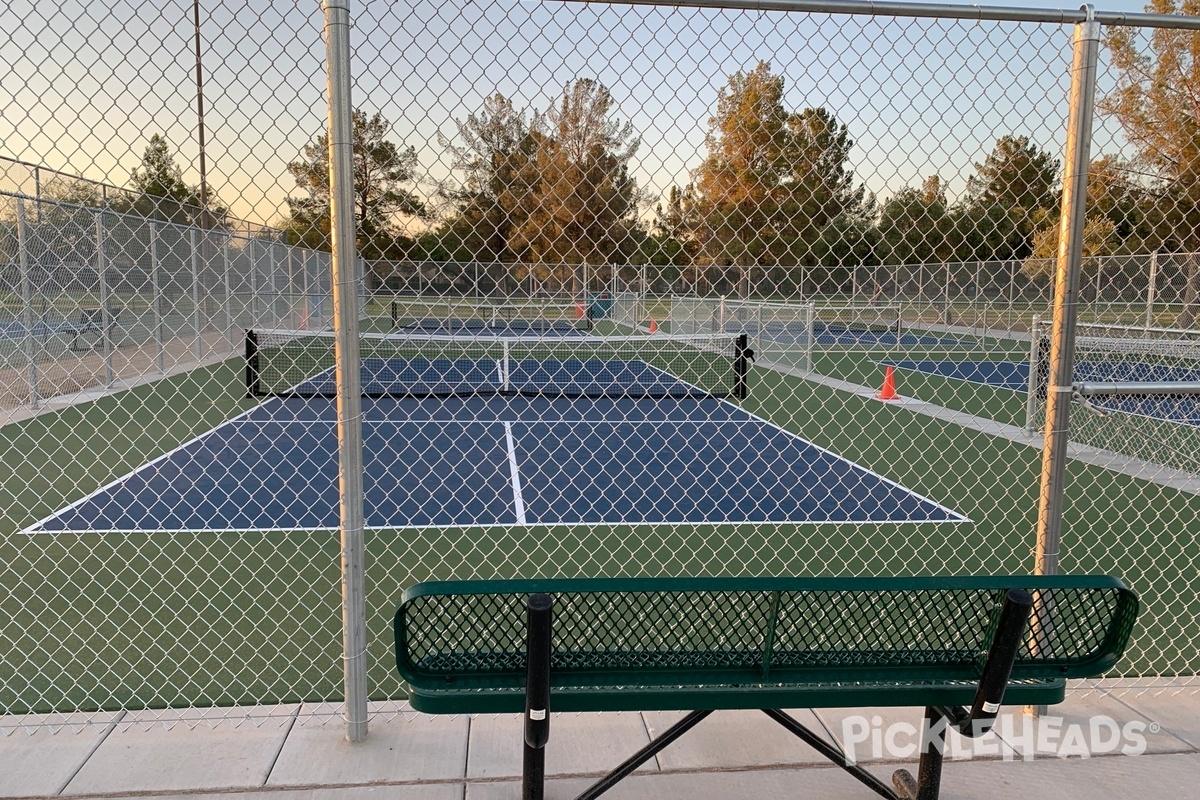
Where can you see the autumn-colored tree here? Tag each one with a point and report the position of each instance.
(1155, 102)
(381, 168)
(772, 179)
(582, 206)
(737, 185)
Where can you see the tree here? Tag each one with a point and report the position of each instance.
(1016, 174)
(1155, 102)
(381, 168)
(1099, 239)
(916, 226)
(1015, 182)
(737, 183)
(163, 194)
(496, 155)
(581, 208)
(818, 186)
(772, 179)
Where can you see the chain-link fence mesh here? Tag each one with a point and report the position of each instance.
(573, 223)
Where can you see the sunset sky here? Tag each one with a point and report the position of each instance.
(93, 81)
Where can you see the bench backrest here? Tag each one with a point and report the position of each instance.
(668, 631)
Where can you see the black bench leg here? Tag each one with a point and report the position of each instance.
(1009, 629)
(537, 696)
(642, 756)
(830, 752)
(929, 773)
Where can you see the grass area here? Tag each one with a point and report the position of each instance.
(111, 620)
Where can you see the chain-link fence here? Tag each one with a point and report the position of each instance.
(631, 281)
(95, 300)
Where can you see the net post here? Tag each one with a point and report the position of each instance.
(27, 301)
(810, 336)
(505, 368)
(395, 314)
(741, 367)
(253, 385)
(349, 394)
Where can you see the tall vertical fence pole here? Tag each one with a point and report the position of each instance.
(106, 320)
(27, 320)
(159, 338)
(349, 401)
(1066, 291)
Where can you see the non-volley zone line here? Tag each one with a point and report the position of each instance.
(486, 461)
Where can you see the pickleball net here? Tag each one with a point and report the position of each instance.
(289, 363)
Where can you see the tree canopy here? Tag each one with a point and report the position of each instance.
(381, 170)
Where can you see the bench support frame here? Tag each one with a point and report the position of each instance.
(1009, 629)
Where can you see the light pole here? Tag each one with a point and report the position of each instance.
(200, 117)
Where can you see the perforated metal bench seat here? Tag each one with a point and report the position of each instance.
(701, 644)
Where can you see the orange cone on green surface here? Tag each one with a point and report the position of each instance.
(653, 326)
(888, 392)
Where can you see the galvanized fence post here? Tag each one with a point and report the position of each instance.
(1066, 293)
(349, 401)
(27, 320)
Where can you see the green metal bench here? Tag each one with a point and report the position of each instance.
(758, 643)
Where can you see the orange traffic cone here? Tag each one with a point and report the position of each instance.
(579, 311)
(888, 392)
(653, 326)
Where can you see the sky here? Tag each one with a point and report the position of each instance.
(91, 82)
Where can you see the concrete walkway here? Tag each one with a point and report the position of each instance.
(298, 751)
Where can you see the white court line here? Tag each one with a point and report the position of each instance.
(518, 501)
(33, 529)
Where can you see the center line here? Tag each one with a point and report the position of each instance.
(518, 503)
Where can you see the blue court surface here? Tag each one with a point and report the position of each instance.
(495, 460)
